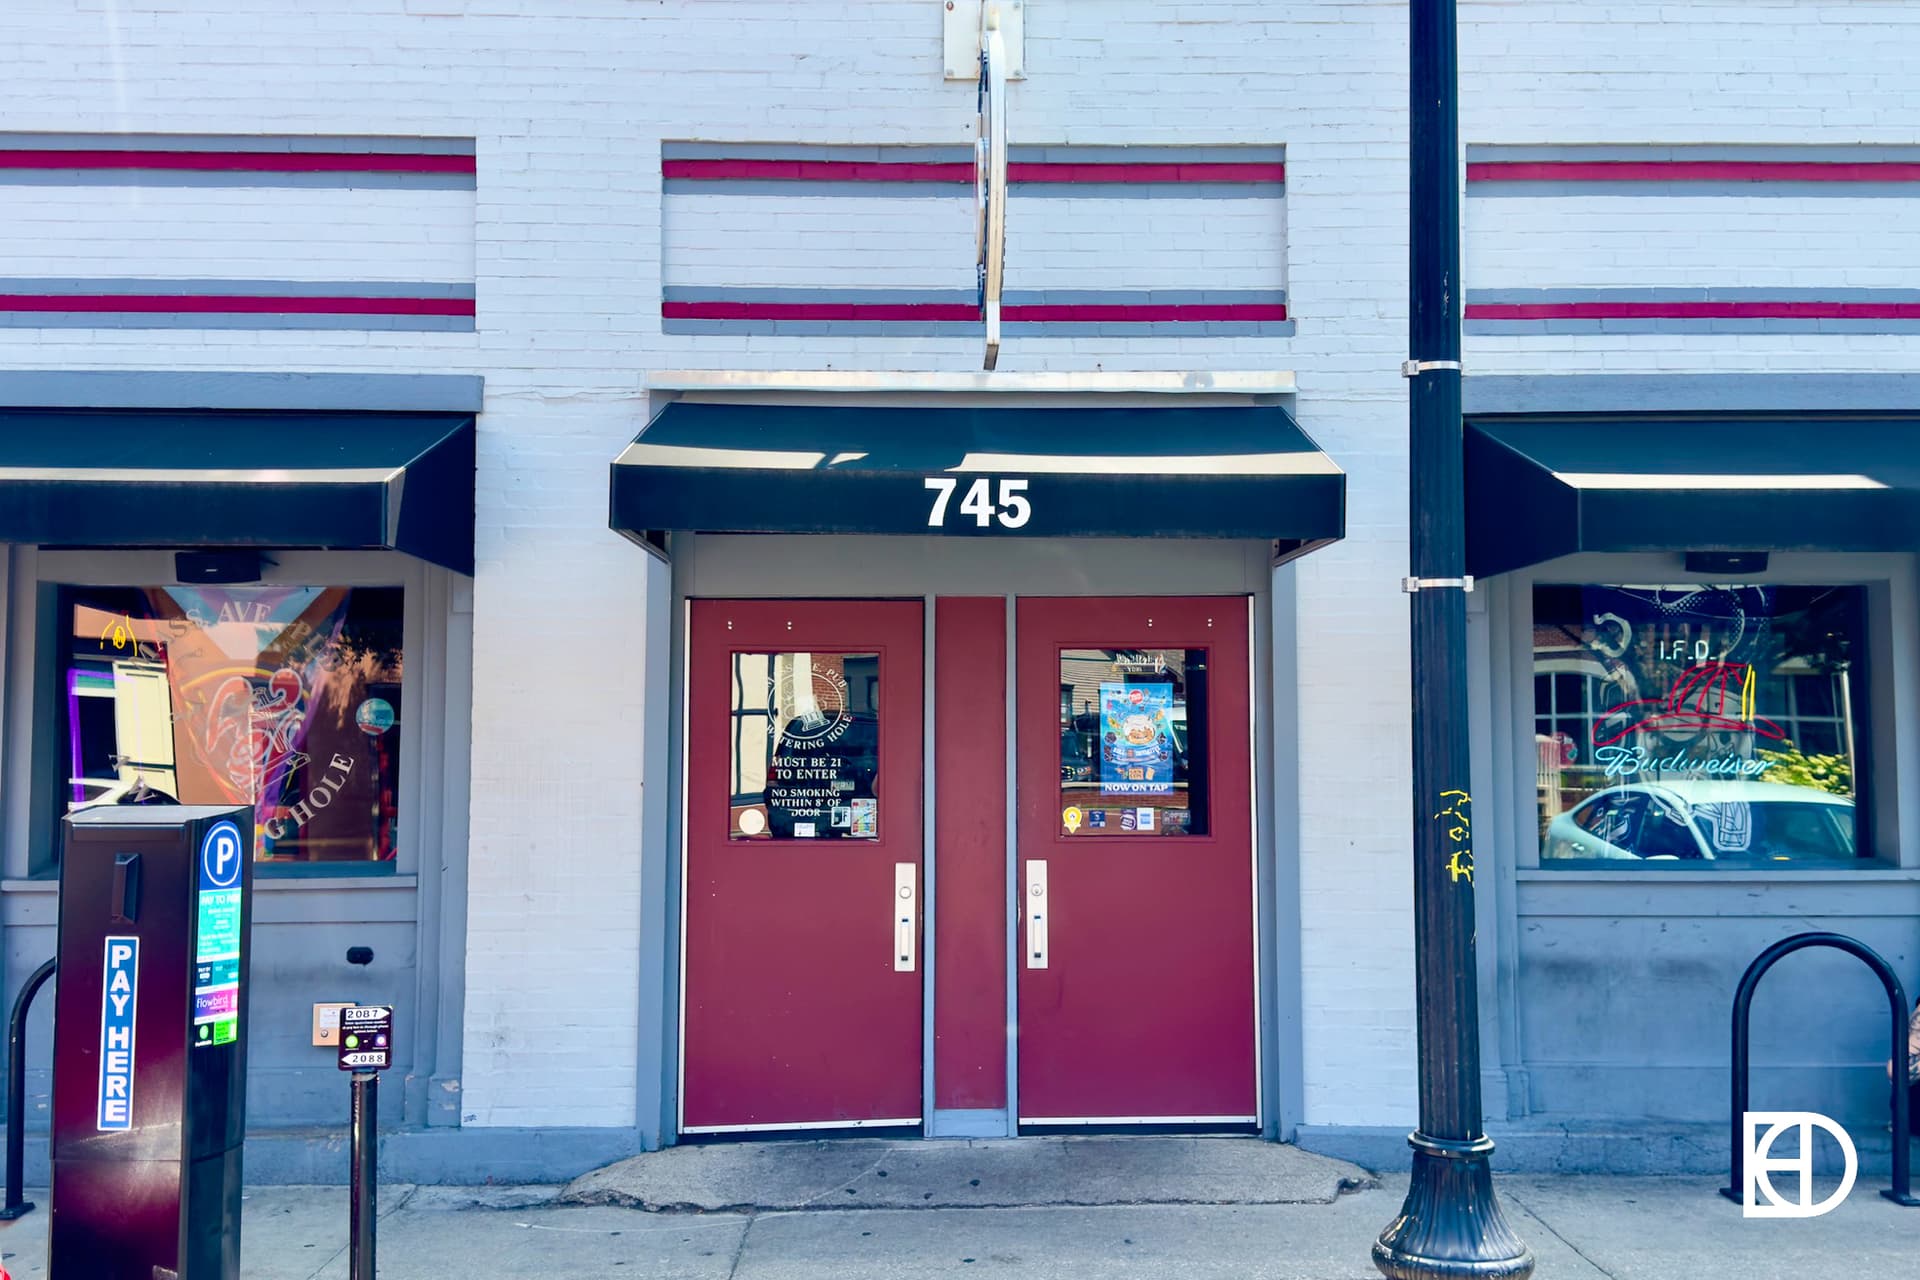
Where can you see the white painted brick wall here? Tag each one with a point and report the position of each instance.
(568, 99)
(1775, 72)
(94, 231)
(922, 242)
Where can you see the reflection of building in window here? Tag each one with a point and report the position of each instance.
(752, 718)
(1808, 705)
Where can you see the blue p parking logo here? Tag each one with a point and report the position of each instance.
(1758, 1164)
(220, 855)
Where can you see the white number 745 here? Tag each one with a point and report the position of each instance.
(1012, 509)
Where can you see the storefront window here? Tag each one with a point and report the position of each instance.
(1133, 742)
(1705, 726)
(283, 698)
(805, 746)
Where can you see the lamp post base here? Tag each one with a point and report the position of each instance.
(1451, 1224)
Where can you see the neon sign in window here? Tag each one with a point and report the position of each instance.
(1700, 725)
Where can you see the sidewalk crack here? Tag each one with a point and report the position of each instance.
(740, 1249)
(1520, 1204)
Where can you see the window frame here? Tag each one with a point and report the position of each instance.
(739, 712)
(1201, 788)
(1887, 785)
(29, 837)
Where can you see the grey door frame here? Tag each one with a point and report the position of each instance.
(767, 566)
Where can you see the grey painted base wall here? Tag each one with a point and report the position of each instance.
(515, 1156)
(435, 1157)
(1539, 1145)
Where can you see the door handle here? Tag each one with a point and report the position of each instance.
(1036, 902)
(905, 900)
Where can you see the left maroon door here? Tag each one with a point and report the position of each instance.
(802, 885)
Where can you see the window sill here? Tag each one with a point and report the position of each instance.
(1879, 873)
(280, 883)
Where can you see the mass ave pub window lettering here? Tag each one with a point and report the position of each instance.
(284, 698)
(805, 746)
(1133, 742)
(1699, 726)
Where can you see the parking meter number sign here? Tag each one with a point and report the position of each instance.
(366, 1038)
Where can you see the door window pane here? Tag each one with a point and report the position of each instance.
(280, 697)
(805, 746)
(1719, 726)
(1133, 742)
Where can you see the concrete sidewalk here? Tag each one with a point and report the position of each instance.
(1583, 1228)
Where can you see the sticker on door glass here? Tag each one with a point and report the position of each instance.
(805, 746)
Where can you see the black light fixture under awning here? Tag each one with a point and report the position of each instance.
(1235, 471)
(137, 478)
(1538, 488)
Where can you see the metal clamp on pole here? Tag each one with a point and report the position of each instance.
(1413, 368)
(1411, 585)
(17, 1204)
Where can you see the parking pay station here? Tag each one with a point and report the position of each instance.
(150, 1043)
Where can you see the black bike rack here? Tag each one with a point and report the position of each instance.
(17, 1095)
(1900, 1192)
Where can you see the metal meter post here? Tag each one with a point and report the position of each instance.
(366, 1049)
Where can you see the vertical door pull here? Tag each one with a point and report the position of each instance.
(1036, 901)
(905, 913)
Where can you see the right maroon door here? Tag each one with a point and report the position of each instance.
(1136, 972)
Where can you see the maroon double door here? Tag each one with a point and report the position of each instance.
(806, 992)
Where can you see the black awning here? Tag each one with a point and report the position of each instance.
(1242, 471)
(1538, 488)
(134, 478)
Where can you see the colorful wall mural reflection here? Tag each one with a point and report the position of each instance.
(285, 698)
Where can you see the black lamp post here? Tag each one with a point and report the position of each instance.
(1451, 1224)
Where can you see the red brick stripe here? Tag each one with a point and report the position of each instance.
(1758, 309)
(962, 311)
(960, 172)
(213, 304)
(240, 161)
(1690, 171)
(1137, 313)
(819, 311)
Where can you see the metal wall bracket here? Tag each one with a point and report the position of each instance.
(1412, 368)
(961, 37)
(1411, 585)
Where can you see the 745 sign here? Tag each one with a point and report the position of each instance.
(985, 500)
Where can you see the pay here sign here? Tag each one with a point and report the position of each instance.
(118, 991)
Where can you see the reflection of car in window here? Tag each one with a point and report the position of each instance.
(1705, 820)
